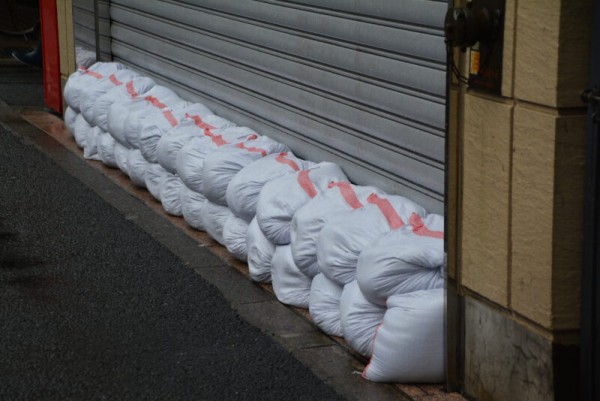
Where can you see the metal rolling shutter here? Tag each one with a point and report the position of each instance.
(358, 83)
(84, 26)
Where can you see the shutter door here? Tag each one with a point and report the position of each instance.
(84, 26)
(361, 84)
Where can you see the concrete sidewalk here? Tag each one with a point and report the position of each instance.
(178, 304)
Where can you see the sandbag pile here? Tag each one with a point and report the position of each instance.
(369, 266)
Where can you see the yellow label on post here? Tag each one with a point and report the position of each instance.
(475, 58)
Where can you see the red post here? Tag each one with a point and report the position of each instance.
(51, 55)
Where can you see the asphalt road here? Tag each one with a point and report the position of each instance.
(93, 308)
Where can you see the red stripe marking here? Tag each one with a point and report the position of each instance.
(241, 145)
(131, 90)
(155, 102)
(114, 80)
(91, 73)
(218, 140)
(284, 160)
(306, 184)
(252, 137)
(364, 373)
(348, 193)
(419, 228)
(388, 211)
(170, 117)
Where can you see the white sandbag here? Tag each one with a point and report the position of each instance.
(99, 88)
(409, 259)
(324, 304)
(137, 166)
(106, 149)
(193, 126)
(224, 163)
(244, 188)
(132, 89)
(191, 207)
(234, 237)
(260, 253)
(82, 130)
(344, 237)
(153, 129)
(128, 107)
(84, 57)
(310, 219)
(90, 149)
(214, 217)
(121, 154)
(160, 113)
(155, 174)
(409, 345)
(83, 78)
(359, 319)
(170, 190)
(291, 286)
(69, 118)
(280, 198)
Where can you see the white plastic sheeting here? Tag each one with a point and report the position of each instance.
(244, 188)
(310, 219)
(359, 319)
(235, 231)
(291, 286)
(224, 163)
(344, 237)
(260, 253)
(405, 260)
(409, 346)
(282, 197)
(324, 304)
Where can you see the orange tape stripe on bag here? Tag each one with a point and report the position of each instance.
(419, 228)
(159, 105)
(217, 139)
(348, 194)
(282, 158)
(114, 80)
(91, 73)
(306, 184)
(131, 90)
(384, 205)
(241, 145)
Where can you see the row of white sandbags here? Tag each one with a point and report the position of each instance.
(220, 187)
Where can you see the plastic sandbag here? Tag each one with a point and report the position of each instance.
(155, 128)
(159, 113)
(405, 260)
(214, 217)
(83, 78)
(344, 237)
(137, 166)
(69, 118)
(191, 207)
(260, 253)
(310, 219)
(121, 154)
(291, 286)
(282, 197)
(244, 188)
(190, 159)
(81, 131)
(224, 163)
(170, 190)
(359, 319)
(106, 149)
(409, 346)
(90, 149)
(127, 108)
(84, 57)
(191, 127)
(234, 237)
(324, 304)
(101, 87)
(133, 88)
(154, 177)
